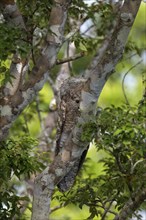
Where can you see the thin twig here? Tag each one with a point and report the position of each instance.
(118, 161)
(57, 207)
(102, 207)
(123, 81)
(68, 59)
(77, 29)
(129, 57)
(106, 210)
(88, 29)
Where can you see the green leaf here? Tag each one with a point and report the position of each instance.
(82, 47)
(118, 131)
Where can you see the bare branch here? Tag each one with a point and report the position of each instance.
(68, 59)
(57, 207)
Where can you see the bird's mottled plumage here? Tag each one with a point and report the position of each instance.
(68, 113)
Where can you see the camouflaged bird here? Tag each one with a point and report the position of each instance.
(68, 113)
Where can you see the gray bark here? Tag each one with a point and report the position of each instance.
(27, 90)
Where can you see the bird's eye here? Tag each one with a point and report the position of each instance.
(77, 100)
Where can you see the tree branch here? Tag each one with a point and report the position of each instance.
(132, 204)
(68, 59)
(112, 49)
(18, 65)
(12, 105)
(45, 184)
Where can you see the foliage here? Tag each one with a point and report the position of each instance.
(89, 129)
(100, 15)
(36, 13)
(12, 39)
(18, 162)
(121, 140)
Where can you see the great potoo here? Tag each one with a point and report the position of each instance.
(68, 113)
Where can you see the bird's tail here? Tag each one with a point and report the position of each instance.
(67, 182)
